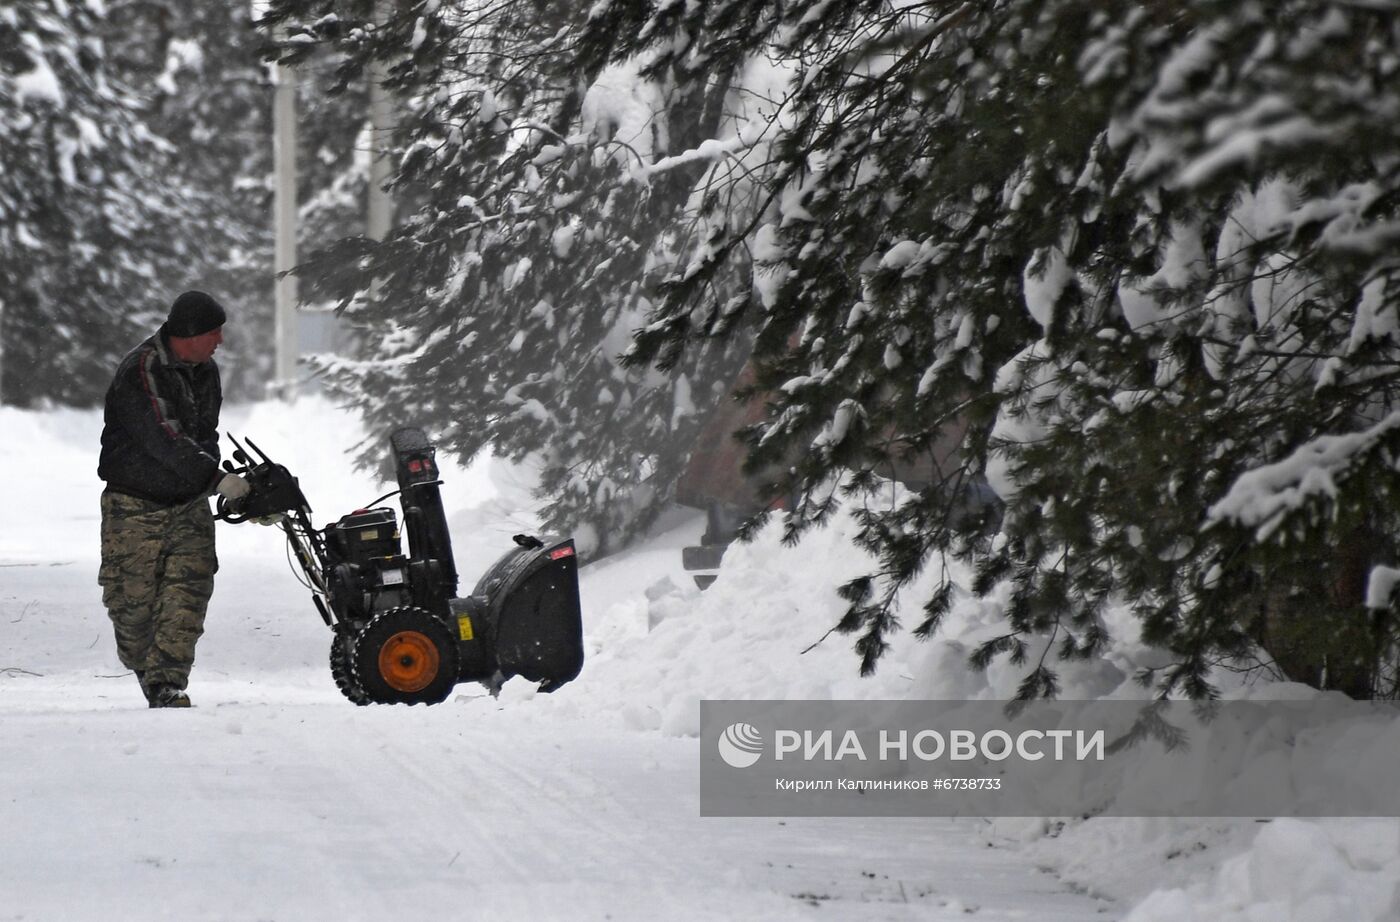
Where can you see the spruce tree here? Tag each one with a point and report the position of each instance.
(1138, 260)
(137, 146)
(541, 201)
(71, 204)
(202, 89)
(130, 140)
(1111, 286)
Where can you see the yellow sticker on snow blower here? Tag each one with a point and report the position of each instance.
(464, 627)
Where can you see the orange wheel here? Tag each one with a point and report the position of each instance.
(404, 656)
(409, 661)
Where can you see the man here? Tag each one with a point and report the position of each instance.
(160, 459)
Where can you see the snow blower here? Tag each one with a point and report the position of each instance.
(402, 634)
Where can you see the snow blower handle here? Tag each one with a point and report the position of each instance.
(273, 490)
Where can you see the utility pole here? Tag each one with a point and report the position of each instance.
(379, 215)
(284, 133)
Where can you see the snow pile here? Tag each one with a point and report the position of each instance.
(1233, 870)
(657, 645)
(1330, 869)
(58, 447)
(762, 632)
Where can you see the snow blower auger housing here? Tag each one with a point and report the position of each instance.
(402, 635)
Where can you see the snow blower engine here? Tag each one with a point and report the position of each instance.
(402, 634)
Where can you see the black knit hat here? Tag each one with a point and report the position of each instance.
(194, 313)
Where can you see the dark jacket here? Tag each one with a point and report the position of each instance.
(160, 438)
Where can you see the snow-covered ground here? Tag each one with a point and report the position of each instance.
(276, 799)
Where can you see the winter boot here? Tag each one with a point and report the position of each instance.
(168, 696)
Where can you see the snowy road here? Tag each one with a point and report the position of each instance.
(275, 799)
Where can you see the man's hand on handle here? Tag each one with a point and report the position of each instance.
(233, 487)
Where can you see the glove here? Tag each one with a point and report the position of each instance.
(273, 519)
(233, 487)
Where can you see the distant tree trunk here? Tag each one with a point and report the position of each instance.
(1315, 625)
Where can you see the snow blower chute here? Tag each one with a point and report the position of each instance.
(402, 634)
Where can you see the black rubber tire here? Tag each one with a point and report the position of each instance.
(343, 673)
(425, 630)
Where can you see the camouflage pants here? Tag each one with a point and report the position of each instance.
(157, 574)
